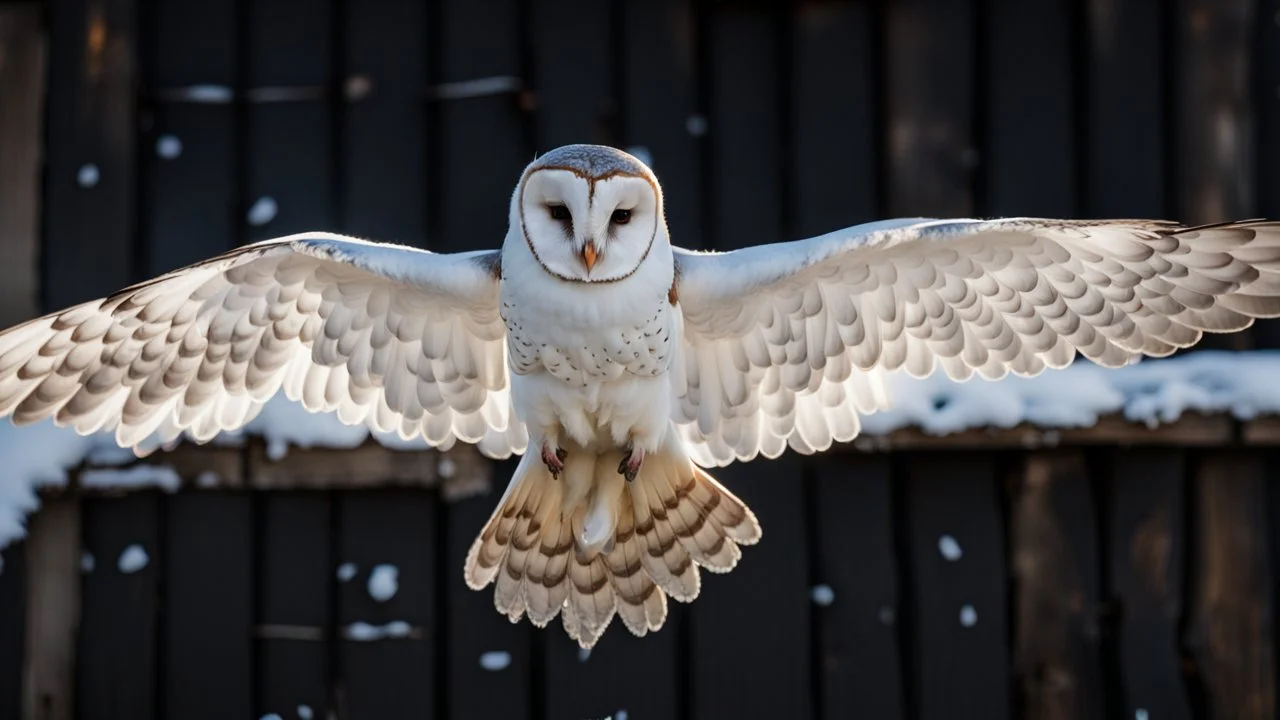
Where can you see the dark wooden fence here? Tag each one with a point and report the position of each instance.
(1126, 574)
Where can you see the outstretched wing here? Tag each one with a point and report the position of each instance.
(780, 338)
(397, 338)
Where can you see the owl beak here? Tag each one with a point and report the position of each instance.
(589, 255)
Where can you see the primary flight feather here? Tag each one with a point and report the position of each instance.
(626, 364)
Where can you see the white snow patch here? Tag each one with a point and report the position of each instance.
(1140, 714)
(346, 571)
(364, 632)
(263, 211)
(447, 468)
(968, 616)
(270, 716)
(209, 93)
(305, 712)
(87, 562)
(137, 476)
(620, 715)
(583, 654)
(132, 559)
(208, 479)
(822, 595)
(168, 146)
(87, 176)
(949, 548)
(495, 660)
(384, 581)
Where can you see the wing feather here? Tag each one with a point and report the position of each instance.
(393, 337)
(985, 297)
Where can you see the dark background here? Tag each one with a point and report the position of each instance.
(1107, 581)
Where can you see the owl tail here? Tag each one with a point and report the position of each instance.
(592, 544)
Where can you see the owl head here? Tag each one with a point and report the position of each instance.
(589, 213)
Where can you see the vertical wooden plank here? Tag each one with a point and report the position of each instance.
(1055, 570)
(1266, 153)
(832, 117)
(574, 80)
(22, 80)
(1213, 109)
(89, 213)
(857, 630)
(53, 611)
(485, 649)
(1145, 541)
(769, 674)
(385, 159)
(297, 572)
(116, 672)
(960, 611)
(483, 142)
(13, 615)
(744, 127)
(390, 677)
(188, 158)
(1030, 134)
(1231, 588)
(660, 109)
(290, 187)
(1124, 107)
(208, 618)
(929, 89)
(622, 673)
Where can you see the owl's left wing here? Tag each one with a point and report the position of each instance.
(784, 342)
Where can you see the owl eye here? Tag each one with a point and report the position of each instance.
(559, 212)
(621, 217)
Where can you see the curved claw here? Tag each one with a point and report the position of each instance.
(630, 465)
(554, 460)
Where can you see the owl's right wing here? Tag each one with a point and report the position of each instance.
(400, 339)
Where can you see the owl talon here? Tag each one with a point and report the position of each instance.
(554, 460)
(630, 465)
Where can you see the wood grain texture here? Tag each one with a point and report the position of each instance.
(1146, 540)
(53, 552)
(858, 632)
(1231, 587)
(22, 85)
(1056, 576)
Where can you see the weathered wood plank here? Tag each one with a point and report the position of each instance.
(745, 127)
(1056, 576)
(833, 125)
(116, 673)
(960, 611)
(483, 142)
(189, 154)
(391, 533)
(574, 80)
(769, 676)
(290, 166)
(929, 89)
(1146, 540)
(90, 172)
(386, 138)
(857, 627)
(1266, 152)
(22, 81)
(296, 574)
(1125, 168)
(13, 617)
(1231, 592)
(208, 603)
(484, 648)
(660, 108)
(1030, 135)
(621, 674)
(53, 554)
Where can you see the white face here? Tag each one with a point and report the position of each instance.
(588, 232)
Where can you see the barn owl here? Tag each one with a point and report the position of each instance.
(624, 365)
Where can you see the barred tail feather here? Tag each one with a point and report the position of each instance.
(589, 546)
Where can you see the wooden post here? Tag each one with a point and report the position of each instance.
(21, 134)
(53, 611)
